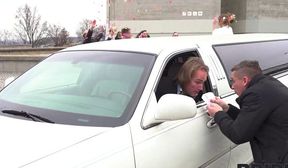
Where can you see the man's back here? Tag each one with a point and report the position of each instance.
(270, 142)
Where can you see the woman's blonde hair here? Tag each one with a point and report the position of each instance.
(188, 70)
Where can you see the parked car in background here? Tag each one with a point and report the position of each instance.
(110, 105)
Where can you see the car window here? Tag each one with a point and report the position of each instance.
(271, 55)
(47, 79)
(168, 83)
(82, 88)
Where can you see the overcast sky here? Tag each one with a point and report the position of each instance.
(66, 13)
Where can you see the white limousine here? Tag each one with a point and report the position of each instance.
(109, 104)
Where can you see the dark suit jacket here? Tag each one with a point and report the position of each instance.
(262, 120)
(88, 37)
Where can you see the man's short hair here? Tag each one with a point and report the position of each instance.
(189, 68)
(125, 30)
(249, 68)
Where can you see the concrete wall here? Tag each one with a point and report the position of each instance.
(167, 27)
(258, 15)
(16, 66)
(163, 17)
(15, 61)
(19, 60)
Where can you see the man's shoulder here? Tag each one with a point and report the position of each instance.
(267, 83)
(266, 88)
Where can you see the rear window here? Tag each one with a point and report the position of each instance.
(271, 55)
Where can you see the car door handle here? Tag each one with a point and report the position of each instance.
(211, 123)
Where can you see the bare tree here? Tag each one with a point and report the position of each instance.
(59, 35)
(28, 26)
(64, 37)
(84, 25)
(6, 37)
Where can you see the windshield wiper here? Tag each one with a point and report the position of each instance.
(27, 115)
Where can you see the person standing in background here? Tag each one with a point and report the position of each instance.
(222, 24)
(118, 35)
(87, 35)
(111, 33)
(175, 34)
(126, 33)
(143, 34)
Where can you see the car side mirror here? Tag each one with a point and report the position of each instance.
(175, 107)
(169, 107)
(8, 80)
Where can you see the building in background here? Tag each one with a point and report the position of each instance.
(258, 15)
(163, 17)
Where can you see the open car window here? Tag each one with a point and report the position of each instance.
(168, 81)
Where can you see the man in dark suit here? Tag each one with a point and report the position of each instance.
(263, 115)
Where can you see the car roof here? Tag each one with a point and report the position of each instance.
(155, 45)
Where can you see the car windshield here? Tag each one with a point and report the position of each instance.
(95, 88)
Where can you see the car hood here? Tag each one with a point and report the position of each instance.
(23, 142)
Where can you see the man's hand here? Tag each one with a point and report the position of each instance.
(213, 109)
(221, 103)
(215, 22)
(92, 24)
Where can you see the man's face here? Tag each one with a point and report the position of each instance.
(238, 83)
(126, 35)
(144, 34)
(196, 83)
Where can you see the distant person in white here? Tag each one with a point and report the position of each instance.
(221, 26)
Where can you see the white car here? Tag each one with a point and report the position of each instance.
(111, 104)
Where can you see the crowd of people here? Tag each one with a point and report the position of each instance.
(221, 26)
(113, 34)
(92, 34)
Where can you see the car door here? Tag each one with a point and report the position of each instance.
(181, 143)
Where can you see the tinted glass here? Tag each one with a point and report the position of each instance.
(81, 88)
(270, 54)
